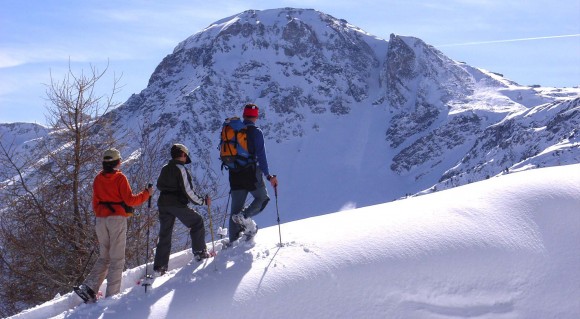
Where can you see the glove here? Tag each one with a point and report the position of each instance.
(273, 180)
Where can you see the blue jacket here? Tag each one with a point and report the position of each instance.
(257, 147)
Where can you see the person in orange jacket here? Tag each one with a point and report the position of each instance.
(112, 203)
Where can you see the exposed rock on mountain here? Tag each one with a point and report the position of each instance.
(347, 114)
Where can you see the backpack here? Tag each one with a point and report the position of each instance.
(233, 146)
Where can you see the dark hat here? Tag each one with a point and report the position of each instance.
(251, 110)
(176, 151)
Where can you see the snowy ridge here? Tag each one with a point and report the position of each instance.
(405, 114)
(19, 133)
(22, 136)
(501, 248)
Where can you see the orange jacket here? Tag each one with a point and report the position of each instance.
(114, 187)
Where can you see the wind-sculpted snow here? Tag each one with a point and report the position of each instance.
(502, 248)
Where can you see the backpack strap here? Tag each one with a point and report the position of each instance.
(127, 208)
(110, 205)
(251, 127)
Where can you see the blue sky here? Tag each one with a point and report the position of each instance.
(530, 42)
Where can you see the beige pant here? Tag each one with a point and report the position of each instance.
(112, 236)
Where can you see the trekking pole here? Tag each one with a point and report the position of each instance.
(147, 276)
(213, 253)
(95, 245)
(211, 227)
(278, 212)
(226, 214)
(86, 264)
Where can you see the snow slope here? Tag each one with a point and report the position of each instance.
(506, 247)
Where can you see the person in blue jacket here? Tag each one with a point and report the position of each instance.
(250, 180)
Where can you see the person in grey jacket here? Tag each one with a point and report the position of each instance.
(177, 192)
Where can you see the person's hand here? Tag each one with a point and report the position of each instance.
(273, 180)
(207, 200)
(150, 190)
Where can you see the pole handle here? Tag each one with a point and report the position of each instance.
(149, 201)
(275, 188)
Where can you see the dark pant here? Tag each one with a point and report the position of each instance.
(191, 219)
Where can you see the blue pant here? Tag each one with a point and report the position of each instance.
(261, 199)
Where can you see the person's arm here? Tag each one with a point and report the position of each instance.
(193, 196)
(127, 194)
(260, 151)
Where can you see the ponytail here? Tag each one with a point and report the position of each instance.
(109, 167)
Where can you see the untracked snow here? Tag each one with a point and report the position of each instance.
(506, 247)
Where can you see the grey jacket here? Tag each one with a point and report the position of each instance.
(176, 187)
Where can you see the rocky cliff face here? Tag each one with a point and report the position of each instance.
(398, 108)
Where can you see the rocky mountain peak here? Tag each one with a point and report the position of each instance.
(370, 120)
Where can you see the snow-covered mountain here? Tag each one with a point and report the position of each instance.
(22, 133)
(501, 248)
(350, 119)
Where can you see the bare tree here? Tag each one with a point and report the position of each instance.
(47, 225)
(75, 113)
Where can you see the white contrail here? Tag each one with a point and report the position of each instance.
(510, 40)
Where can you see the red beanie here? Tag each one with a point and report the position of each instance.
(251, 110)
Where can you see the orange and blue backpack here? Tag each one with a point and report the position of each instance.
(234, 152)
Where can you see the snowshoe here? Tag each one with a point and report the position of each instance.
(86, 293)
(239, 219)
(200, 255)
(249, 235)
(160, 271)
(248, 224)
